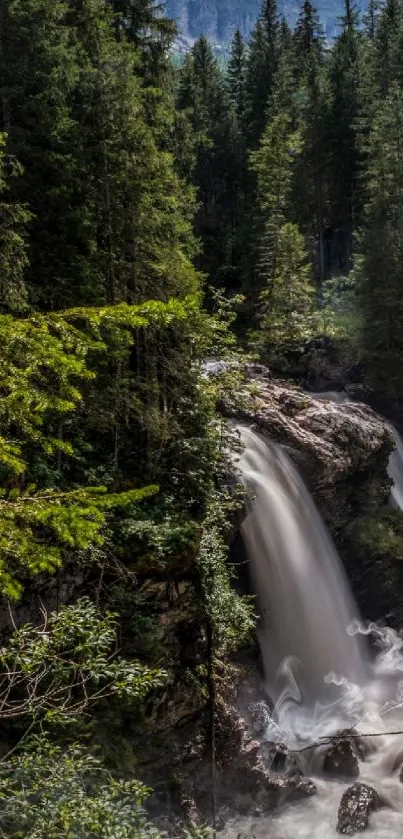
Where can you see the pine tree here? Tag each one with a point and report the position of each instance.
(112, 220)
(204, 97)
(345, 82)
(381, 248)
(37, 76)
(14, 219)
(261, 69)
(308, 39)
(143, 231)
(286, 300)
(370, 19)
(310, 178)
(236, 77)
(387, 45)
(282, 271)
(151, 32)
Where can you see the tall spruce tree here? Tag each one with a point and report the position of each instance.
(204, 97)
(111, 217)
(151, 32)
(284, 293)
(261, 70)
(236, 73)
(381, 248)
(388, 62)
(345, 82)
(14, 220)
(310, 185)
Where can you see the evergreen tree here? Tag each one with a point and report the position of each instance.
(13, 234)
(310, 189)
(381, 248)
(236, 77)
(261, 70)
(111, 217)
(204, 97)
(370, 18)
(37, 76)
(282, 270)
(151, 32)
(308, 39)
(143, 234)
(286, 299)
(343, 124)
(388, 65)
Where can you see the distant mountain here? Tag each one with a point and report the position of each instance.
(218, 19)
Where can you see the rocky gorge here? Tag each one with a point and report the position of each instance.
(209, 761)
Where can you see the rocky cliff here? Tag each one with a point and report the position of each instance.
(218, 19)
(342, 453)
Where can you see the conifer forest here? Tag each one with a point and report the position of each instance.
(193, 242)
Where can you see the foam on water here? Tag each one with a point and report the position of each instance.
(319, 670)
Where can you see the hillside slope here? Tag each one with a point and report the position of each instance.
(219, 18)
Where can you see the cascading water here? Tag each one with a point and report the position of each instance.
(395, 470)
(318, 671)
(303, 593)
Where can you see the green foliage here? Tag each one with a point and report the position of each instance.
(197, 832)
(56, 792)
(205, 101)
(36, 528)
(287, 298)
(273, 166)
(55, 671)
(44, 365)
(339, 315)
(260, 70)
(231, 616)
(377, 269)
(379, 536)
(91, 128)
(14, 219)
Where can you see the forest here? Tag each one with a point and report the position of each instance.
(160, 218)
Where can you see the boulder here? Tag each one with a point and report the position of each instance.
(341, 450)
(246, 777)
(356, 806)
(343, 756)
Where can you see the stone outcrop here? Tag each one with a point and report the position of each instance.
(341, 450)
(244, 781)
(356, 806)
(218, 20)
(343, 756)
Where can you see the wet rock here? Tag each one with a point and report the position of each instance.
(343, 756)
(356, 806)
(246, 780)
(231, 736)
(341, 450)
(277, 758)
(260, 716)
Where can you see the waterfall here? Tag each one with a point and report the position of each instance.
(304, 599)
(395, 470)
(317, 668)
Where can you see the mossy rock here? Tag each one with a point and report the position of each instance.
(373, 549)
(378, 536)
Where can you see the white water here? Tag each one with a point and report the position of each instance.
(302, 590)
(317, 665)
